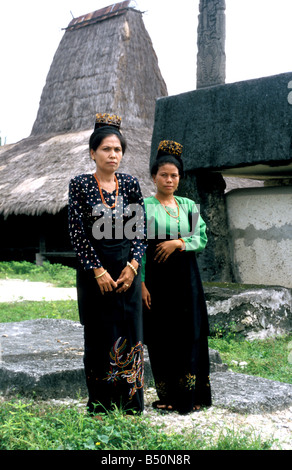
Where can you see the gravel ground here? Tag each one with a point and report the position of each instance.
(276, 425)
(211, 421)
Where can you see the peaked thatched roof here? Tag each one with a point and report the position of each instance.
(105, 63)
(104, 13)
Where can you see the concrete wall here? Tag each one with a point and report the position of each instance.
(260, 223)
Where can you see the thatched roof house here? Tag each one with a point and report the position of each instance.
(105, 62)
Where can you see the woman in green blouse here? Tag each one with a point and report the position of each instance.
(175, 314)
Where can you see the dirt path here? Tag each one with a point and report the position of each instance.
(12, 290)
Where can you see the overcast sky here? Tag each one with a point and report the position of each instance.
(258, 43)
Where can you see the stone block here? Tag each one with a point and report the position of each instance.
(45, 358)
(243, 393)
(231, 125)
(256, 312)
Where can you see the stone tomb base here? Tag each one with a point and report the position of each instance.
(44, 358)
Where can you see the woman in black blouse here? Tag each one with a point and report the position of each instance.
(109, 248)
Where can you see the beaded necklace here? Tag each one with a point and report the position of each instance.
(101, 195)
(164, 207)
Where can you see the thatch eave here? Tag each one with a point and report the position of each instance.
(35, 172)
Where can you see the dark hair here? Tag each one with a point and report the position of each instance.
(99, 134)
(164, 159)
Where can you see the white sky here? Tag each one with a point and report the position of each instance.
(258, 43)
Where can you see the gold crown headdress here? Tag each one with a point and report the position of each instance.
(105, 119)
(170, 147)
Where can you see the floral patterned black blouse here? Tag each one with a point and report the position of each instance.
(84, 197)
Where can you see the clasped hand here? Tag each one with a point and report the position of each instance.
(107, 284)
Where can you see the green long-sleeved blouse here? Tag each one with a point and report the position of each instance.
(189, 226)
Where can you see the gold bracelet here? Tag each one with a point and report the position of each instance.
(132, 267)
(105, 271)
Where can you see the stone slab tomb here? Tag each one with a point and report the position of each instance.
(243, 130)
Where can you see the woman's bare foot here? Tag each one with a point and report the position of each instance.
(164, 407)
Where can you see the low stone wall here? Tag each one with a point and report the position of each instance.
(254, 311)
